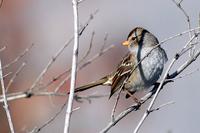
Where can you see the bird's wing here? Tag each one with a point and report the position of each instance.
(123, 72)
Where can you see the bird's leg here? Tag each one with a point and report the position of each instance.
(133, 97)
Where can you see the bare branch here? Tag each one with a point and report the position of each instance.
(185, 75)
(87, 23)
(178, 4)
(6, 107)
(74, 66)
(27, 94)
(184, 66)
(89, 49)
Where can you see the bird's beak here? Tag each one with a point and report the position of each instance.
(126, 43)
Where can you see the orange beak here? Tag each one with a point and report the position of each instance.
(126, 43)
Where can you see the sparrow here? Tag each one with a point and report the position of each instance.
(137, 71)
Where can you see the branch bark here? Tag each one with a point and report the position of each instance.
(74, 66)
(6, 107)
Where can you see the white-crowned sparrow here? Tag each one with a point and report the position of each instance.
(126, 77)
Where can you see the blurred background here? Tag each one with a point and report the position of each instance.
(49, 24)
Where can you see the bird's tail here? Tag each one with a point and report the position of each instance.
(101, 81)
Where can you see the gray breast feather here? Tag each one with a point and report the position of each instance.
(151, 67)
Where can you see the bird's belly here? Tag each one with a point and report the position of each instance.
(149, 71)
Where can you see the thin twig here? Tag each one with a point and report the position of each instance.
(184, 66)
(178, 4)
(104, 43)
(6, 107)
(14, 76)
(87, 22)
(185, 75)
(115, 106)
(38, 129)
(19, 56)
(89, 49)
(74, 67)
(161, 106)
(5, 75)
(189, 47)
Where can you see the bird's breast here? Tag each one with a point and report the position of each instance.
(149, 70)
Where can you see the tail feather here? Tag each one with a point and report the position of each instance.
(91, 85)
